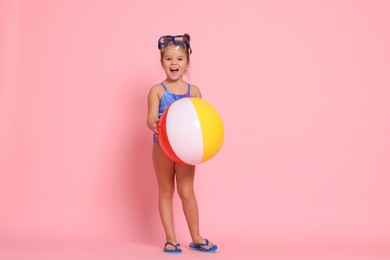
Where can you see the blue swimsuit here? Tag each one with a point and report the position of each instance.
(167, 99)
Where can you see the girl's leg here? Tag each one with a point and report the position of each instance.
(185, 186)
(165, 172)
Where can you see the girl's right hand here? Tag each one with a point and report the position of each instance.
(155, 128)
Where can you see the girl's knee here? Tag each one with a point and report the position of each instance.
(167, 192)
(186, 194)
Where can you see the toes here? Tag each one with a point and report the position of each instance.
(210, 245)
(170, 247)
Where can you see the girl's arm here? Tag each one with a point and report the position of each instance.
(153, 103)
(195, 91)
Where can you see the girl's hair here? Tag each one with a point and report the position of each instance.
(187, 50)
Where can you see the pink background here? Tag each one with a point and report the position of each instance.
(302, 86)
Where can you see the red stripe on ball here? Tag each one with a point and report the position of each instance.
(164, 141)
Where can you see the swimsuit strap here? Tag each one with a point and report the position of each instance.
(165, 88)
(189, 88)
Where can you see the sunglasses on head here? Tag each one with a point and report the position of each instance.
(177, 40)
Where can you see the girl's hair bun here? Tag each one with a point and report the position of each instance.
(188, 36)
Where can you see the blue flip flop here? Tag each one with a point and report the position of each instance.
(172, 251)
(200, 247)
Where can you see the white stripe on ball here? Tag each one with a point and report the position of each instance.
(184, 132)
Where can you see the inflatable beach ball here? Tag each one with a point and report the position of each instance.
(191, 131)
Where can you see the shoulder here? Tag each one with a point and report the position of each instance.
(156, 90)
(195, 91)
(156, 87)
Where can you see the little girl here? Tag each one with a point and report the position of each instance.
(175, 59)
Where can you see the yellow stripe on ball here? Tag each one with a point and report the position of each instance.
(211, 127)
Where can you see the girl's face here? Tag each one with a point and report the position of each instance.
(174, 62)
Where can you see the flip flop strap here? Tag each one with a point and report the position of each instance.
(199, 245)
(169, 243)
